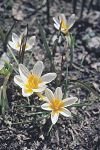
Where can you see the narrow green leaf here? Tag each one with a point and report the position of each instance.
(80, 105)
(43, 37)
(2, 34)
(50, 128)
(13, 55)
(3, 95)
(71, 43)
(37, 113)
(28, 106)
(7, 37)
(86, 86)
(65, 83)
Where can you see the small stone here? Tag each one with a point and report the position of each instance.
(94, 45)
(41, 137)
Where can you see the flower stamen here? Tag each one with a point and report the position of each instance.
(32, 82)
(56, 105)
(64, 26)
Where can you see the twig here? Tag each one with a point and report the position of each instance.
(48, 11)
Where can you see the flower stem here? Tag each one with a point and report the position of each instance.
(13, 55)
(50, 129)
(28, 100)
(41, 96)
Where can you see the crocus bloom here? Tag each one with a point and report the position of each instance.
(32, 81)
(56, 105)
(4, 59)
(63, 24)
(17, 41)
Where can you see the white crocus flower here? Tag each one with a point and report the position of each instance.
(63, 24)
(4, 59)
(17, 41)
(32, 81)
(56, 105)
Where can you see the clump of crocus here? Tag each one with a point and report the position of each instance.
(17, 41)
(56, 105)
(32, 81)
(63, 24)
(4, 59)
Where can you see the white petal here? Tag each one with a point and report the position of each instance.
(15, 38)
(47, 78)
(38, 68)
(49, 94)
(58, 93)
(71, 20)
(18, 81)
(70, 101)
(54, 117)
(57, 26)
(65, 112)
(40, 89)
(28, 47)
(56, 20)
(56, 23)
(1, 64)
(42, 85)
(24, 72)
(26, 94)
(31, 40)
(13, 45)
(46, 106)
(62, 18)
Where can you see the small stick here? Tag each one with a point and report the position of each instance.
(82, 7)
(74, 3)
(89, 7)
(48, 12)
(6, 38)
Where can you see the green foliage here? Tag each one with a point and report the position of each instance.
(5, 36)
(3, 95)
(6, 70)
(71, 43)
(8, 3)
(86, 86)
(43, 37)
(71, 40)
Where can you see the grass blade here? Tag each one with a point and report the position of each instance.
(3, 95)
(87, 86)
(43, 37)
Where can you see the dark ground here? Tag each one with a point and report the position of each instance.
(82, 132)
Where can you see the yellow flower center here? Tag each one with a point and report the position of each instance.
(56, 105)
(18, 45)
(64, 27)
(32, 82)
